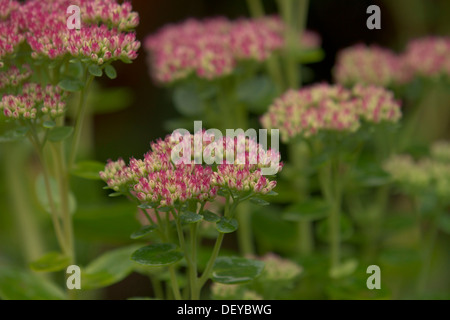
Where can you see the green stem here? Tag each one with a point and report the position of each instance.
(79, 120)
(201, 282)
(174, 283)
(256, 8)
(53, 211)
(331, 188)
(62, 174)
(428, 254)
(193, 274)
(157, 287)
(33, 247)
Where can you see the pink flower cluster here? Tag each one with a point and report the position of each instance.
(100, 40)
(6, 7)
(426, 57)
(369, 65)
(329, 107)
(34, 101)
(109, 12)
(211, 48)
(158, 181)
(14, 76)
(429, 56)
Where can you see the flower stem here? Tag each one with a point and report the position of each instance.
(53, 211)
(193, 270)
(79, 120)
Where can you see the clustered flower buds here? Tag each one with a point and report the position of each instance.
(430, 173)
(279, 269)
(429, 56)
(159, 181)
(14, 76)
(320, 107)
(369, 65)
(425, 57)
(111, 13)
(211, 48)
(34, 101)
(44, 27)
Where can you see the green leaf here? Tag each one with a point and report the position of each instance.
(109, 268)
(259, 202)
(88, 170)
(41, 194)
(235, 270)
(164, 209)
(188, 217)
(71, 85)
(115, 194)
(145, 206)
(226, 225)
(157, 255)
(309, 55)
(14, 135)
(210, 216)
(144, 231)
(60, 133)
(49, 124)
(309, 210)
(95, 70)
(51, 262)
(110, 72)
(257, 93)
(187, 101)
(17, 284)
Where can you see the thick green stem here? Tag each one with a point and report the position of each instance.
(63, 187)
(201, 282)
(195, 294)
(53, 211)
(32, 242)
(331, 188)
(298, 156)
(79, 120)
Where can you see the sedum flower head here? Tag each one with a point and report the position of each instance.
(159, 181)
(279, 269)
(430, 173)
(320, 107)
(377, 104)
(34, 101)
(211, 48)
(428, 56)
(15, 76)
(369, 65)
(101, 38)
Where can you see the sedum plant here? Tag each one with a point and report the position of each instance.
(167, 191)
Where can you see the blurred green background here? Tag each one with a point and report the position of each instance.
(142, 108)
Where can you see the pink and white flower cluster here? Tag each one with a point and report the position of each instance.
(14, 76)
(326, 107)
(43, 24)
(212, 47)
(34, 101)
(369, 65)
(426, 57)
(158, 181)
